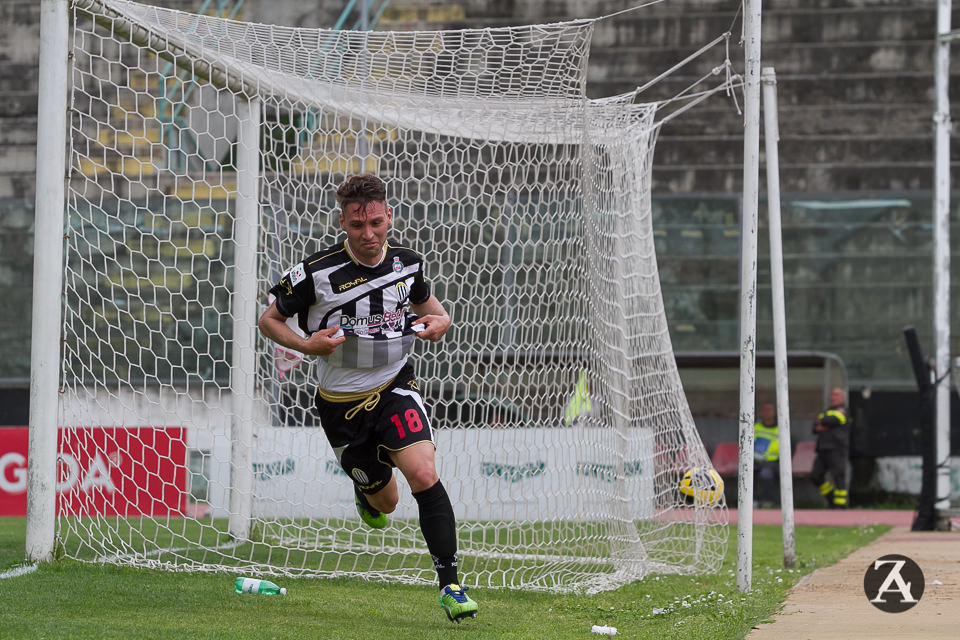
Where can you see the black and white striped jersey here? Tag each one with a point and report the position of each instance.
(370, 304)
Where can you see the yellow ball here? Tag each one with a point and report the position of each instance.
(702, 487)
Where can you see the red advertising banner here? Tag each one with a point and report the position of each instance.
(111, 471)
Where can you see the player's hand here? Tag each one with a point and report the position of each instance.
(323, 342)
(434, 326)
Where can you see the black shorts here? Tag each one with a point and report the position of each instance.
(363, 441)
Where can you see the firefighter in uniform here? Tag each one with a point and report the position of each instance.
(832, 428)
(766, 458)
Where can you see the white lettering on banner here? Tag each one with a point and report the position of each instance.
(17, 464)
(72, 471)
(115, 471)
(97, 474)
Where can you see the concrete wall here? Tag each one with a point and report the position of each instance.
(855, 81)
(855, 84)
(19, 54)
(19, 42)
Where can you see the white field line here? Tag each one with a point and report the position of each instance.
(18, 571)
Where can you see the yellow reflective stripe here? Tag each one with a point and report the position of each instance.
(826, 488)
(833, 413)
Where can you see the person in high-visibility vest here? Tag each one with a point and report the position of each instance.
(579, 404)
(833, 443)
(766, 458)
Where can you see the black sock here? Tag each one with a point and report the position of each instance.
(439, 531)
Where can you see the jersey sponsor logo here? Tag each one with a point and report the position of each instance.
(369, 325)
(397, 265)
(351, 284)
(298, 274)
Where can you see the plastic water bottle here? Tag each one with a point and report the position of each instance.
(254, 585)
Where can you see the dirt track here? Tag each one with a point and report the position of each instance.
(831, 603)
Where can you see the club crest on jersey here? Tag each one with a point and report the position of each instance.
(397, 265)
(403, 292)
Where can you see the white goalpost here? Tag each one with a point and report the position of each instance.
(203, 154)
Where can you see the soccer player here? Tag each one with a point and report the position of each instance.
(351, 300)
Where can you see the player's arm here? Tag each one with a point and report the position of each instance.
(434, 318)
(273, 325)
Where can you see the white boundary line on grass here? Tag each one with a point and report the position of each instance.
(18, 571)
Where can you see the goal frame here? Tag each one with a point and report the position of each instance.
(49, 281)
(47, 278)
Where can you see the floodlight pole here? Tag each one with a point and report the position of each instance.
(47, 279)
(941, 253)
(771, 138)
(748, 289)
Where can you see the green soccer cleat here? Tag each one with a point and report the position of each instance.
(368, 514)
(457, 604)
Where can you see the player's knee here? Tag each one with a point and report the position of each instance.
(385, 506)
(386, 499)
(422, 478)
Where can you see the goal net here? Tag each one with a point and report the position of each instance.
(204, 156)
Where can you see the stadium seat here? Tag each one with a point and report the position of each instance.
(803, 457)
(725, 458)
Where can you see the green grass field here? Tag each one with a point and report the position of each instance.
(68, 599)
